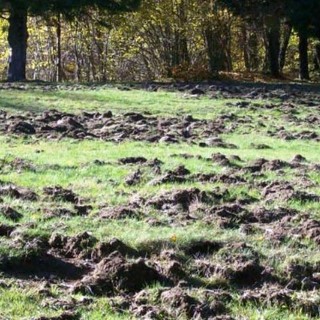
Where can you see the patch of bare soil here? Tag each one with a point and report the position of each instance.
(115, 273)
(284, 191)
(17, 192)
(57, 193)
(121, 212)
(53, 124)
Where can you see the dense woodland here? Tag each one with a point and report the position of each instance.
(188, 40)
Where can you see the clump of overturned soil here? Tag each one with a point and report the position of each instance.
(115, 273)
(17, 192)
(53, 124)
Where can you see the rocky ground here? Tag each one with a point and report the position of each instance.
(141, 214)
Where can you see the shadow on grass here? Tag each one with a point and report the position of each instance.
(7, 105)
(46, 267)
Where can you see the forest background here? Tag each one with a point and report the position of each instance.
(186, 40)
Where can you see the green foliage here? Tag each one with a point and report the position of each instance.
(69, 7)
(304, 15)
(169, 39)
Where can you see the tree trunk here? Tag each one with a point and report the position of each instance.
(284, 46)
(303, 56)
(250, 47)
(272, 44)
(17, 38)
(316, 56)
(245, 47)
(181, 39)
(273, 36)
(59, 57)
(213, 51)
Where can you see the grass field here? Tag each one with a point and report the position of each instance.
(242, 242)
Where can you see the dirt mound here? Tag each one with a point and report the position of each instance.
(16, 192)
(5, 230)
(217, 143)
(177, 303)
(10, 213)
(225, 178)
(204, 177)
(169, 177)
(298, 159)
(180, 171)
(229, 178)
(230, 215)
(302, 275)
(183, 198)
(241, 265)
(49, 213)
(115, 273)
(53, 124)
(133, 160)
(104, 249)
(147, 312)
(82, 209)
(175, 271)
(134, 178)
(261, 165)
(169, 264)
(79, 246)
(309, 229)
(273, 295)
(58, 193)
(274, 165)
(119, 213)
(303, 135)
(264, 215)
(17, 164)
(246, 273)
(284, 191)
(255, 166)
(276, 295)
(236, 264)
(21, 127)
(221, 159)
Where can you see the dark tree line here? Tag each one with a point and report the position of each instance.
(298, 15)
(19, 10)
(169, 38)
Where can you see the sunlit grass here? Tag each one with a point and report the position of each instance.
(72, 164)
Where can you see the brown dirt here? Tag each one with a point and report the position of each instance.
(115, 273)
(17, 192)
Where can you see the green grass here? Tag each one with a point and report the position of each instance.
(71, 164)
(164, 103)
(17, 303)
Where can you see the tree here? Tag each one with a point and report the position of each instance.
(18, 11)
(287, 32)
(304, 15)
(268, 14)
(301, 15)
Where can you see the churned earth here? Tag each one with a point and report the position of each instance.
(159, 201)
